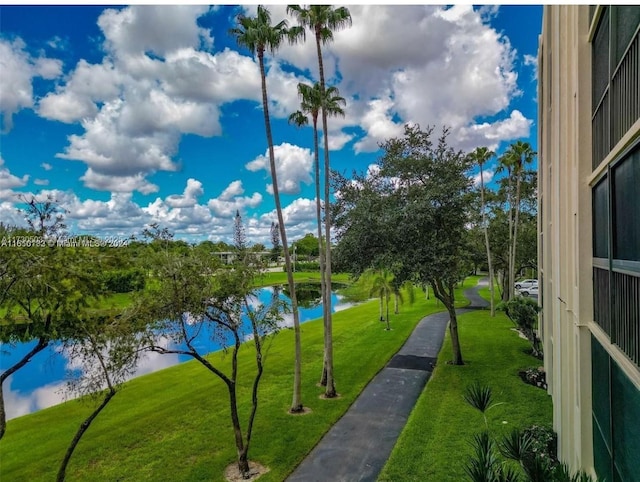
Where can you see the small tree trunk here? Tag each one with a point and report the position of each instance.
(243, 464)
(455, 340)
(84, 426)
(388, 325)
(41, 345)
(446, 295)
(243, 459)
(396, 305)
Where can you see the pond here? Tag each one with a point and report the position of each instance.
(42, 382)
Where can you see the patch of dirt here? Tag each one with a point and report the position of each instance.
(304, 411)
(323, 397)
(232, 473)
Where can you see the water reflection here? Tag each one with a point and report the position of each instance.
(42, 382)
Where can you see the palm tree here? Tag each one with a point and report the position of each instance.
(523, 154)
(506, 164)
(408, 287)
(311, 103)
(382, 287)
(481, 155)
(258, 35)
(323, 20)
(513, 161)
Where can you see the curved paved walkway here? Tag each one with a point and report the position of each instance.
(359, 444)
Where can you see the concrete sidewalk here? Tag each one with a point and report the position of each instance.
(359, 444)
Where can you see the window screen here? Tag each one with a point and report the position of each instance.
(625, 398)
(601, 219)
(601, 396)
(625, 19)
(626, 208)
(601, 59)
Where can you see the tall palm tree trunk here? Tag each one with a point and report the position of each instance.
(330, 391)
(510, 270)
(296, 404)
(486, 240)
(323, 377)
(515, 229)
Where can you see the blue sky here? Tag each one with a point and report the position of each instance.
(142, 114)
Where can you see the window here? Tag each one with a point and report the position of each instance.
(600, 61)
(601, 219)
(615, 77)
(616, 253)
(615, 411)
(624, 22)
(626, 208)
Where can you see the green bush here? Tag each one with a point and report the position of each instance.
(123, 281)
(524, 314)
(305, 266)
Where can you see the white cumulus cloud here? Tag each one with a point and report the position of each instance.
(293, 166)
(19, 68)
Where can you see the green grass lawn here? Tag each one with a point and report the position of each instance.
(435, 443)
(174, 424)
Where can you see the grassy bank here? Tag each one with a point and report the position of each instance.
(435, 442)
(174, 424)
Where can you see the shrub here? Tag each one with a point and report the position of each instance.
(524, 314)
(535, 376)
(123, 281)
(544, 443)
(305, 266)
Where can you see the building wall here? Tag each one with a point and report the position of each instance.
(577, 348)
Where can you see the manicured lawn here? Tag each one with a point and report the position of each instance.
(434, 445)
(174, 424)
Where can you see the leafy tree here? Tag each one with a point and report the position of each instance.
(186, 306)
(108, 352)
(307, 246)
(481, 156)
(258, 35)
(410, 214)
(431, 201)
(258, 248)
(44, 290)
(43, 214)
(323, 20)
(46, 293)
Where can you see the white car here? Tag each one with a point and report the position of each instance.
(530, 291)
(526, 283)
